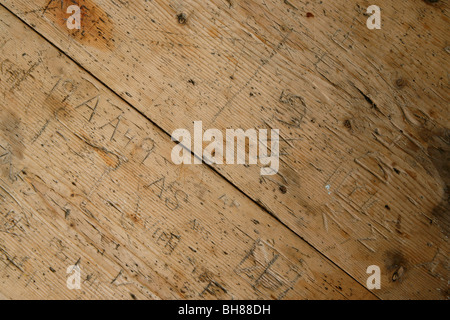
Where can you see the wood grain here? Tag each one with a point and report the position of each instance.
(363, 116)
(89, 181)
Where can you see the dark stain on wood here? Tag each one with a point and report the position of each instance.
(348, 124)
(431, 2)
(439, 152)
(396, 264)
(181, 18)
(400, 83)
(10, 133)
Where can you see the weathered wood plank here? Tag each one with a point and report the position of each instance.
(363, 114)
(88, 181)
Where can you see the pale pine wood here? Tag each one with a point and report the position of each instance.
(76, 188)
(363, 114)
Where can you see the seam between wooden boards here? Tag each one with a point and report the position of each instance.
(258, 203)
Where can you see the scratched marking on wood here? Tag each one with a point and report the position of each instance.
(363, 116)
(86, 180)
